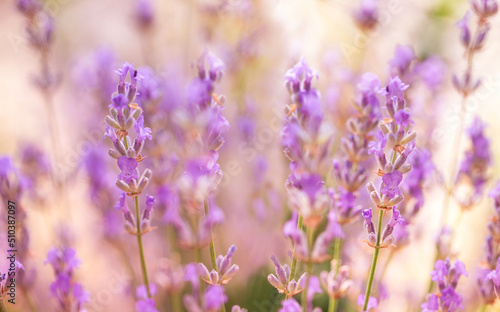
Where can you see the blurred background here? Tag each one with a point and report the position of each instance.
(258, 41)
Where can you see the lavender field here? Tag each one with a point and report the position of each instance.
(249, 155)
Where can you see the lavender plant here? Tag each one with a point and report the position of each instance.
(395, 132)
(217, 187)
(124, 114)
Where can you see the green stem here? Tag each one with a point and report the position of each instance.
(141, 251)
(2, 306)
(294, 259)
(310, 236)
(175, 302)
(374, 261)
(484, 308)
(212, 245)
(332, 305)
(333, 302)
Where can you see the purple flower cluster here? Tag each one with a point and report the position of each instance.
(224, 271)
(446, 276)
(349, 173)
(284, 282)
(366, 16)
(484, 10)
(335, 283)
(123, 115)
(198, 128)
(488, 277)
(212, 299)
(6, 287)
(475, 165)
(305, 137)
(69, 293)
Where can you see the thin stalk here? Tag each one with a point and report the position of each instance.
(141, 251)
(374, 261)
(333, 302)
(175, 302)
(484, 308)
(212, 245)
(332, 305)
(310, 235)
(2, 306)
(294, 259)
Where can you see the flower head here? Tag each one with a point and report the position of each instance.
(390, 182)
(224, 271)
(128, 167)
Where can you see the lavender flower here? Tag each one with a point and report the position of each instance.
(212, 301)
(144, 13)
(224, 271)
(238, 309)
(476, 162)
(69, 293)
(484, 8)
(403, 57)
(366, 16)
(336, 284)
(318, 252)
(290, 305)
(446, 276)
(413, 184)
(305, 137)
(6, 286)
(308, 196)
(282, 282)
(372, 302)
(145, 304)
(488, 278)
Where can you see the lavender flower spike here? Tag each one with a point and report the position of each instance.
(281, 281)
(224, 271)
(69, 293)
(446, 276)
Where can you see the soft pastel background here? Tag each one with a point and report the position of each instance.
(259, 41)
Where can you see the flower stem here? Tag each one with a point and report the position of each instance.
(175, 302)
(310, 235)
(141, 251)
(294, 259)
(212, 245)
(374, 261)
(333, 302)
(332, 305)
(484, 308)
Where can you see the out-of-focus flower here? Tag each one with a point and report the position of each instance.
(212, 301)
(372, 302)
(446, 276)
(484, 8)
(474, 167)
(336, 284)
(144, 13)
(400, 63)
(308, 196)
(282, 280)
(69, 293)
(366, 16)
(145, 304)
